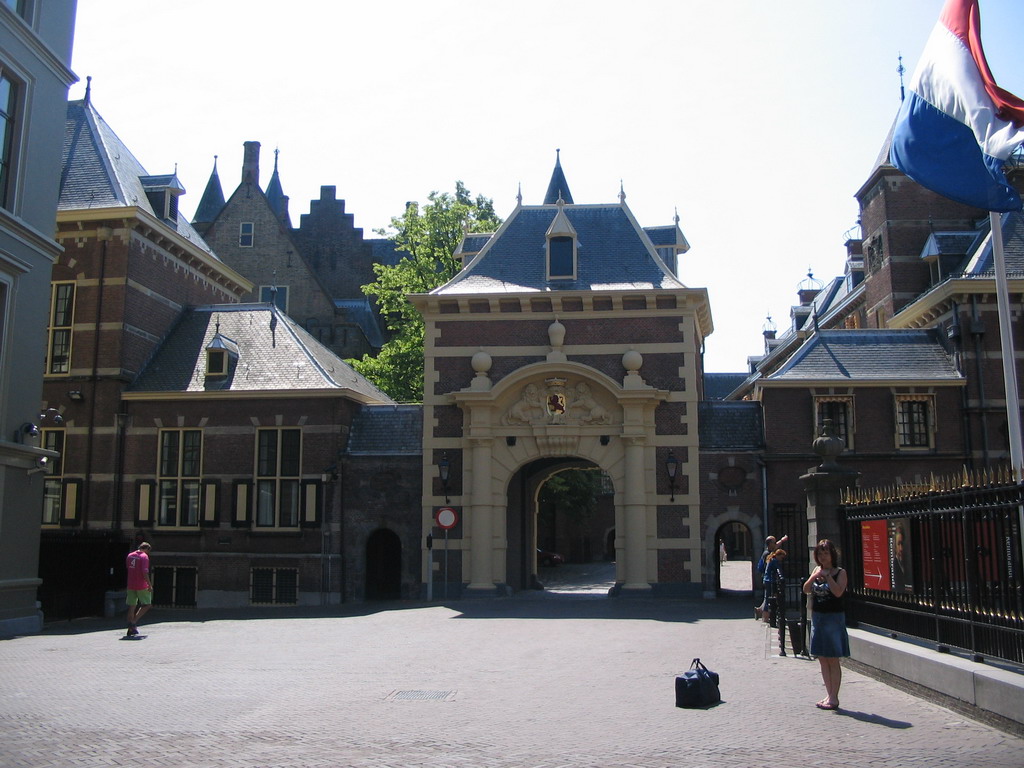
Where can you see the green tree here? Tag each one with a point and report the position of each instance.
(428, 236)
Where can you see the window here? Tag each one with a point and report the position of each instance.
(274, 586)
(913, 421)
(53, 484)
(561, 252)
(175, 586)
(21, 7)
(246, 234)
(62, 311)
(275, 294)
(216, 362)
(839, 410)
(8, 129)
(278, 459)
(178, 484)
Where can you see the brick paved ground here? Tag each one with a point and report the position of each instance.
(538, 681)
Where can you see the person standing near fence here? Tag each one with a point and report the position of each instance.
(773, 584)
(770, 545)
(829, 639)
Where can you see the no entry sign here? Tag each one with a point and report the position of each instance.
(447, 518)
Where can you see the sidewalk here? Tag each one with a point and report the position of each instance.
(543, 680)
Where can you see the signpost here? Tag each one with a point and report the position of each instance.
(446, 519)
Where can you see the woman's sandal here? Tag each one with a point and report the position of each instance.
(823, 704)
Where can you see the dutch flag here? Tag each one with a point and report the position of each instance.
(957, 128)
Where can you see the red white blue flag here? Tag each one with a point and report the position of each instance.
(957, 128)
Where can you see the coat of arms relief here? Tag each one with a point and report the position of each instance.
(556, 402)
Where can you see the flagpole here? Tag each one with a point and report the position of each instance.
(1006, 348)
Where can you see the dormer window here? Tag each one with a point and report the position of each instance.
(561, 257)
(220, 352)
(162, 193)
(562, 247)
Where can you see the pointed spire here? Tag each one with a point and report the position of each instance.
(212, 201)
(622, 192)
(88, 90)
(519, 195)
(275, 194)
(558, 187)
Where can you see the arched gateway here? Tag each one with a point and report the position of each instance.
(566, 336)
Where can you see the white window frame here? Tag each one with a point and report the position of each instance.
(53, 479)
(63, 330)
(278, 487)
(179, 484)
(550, 274)
(246, 234)
(10, 141)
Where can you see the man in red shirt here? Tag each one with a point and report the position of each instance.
(140, 587)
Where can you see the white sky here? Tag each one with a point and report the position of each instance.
(757, 120)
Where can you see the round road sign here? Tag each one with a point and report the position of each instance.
(447, 518)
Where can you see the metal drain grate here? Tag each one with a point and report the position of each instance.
(421, 696)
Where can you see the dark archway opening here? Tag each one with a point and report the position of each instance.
(383, 566)
(558, 515)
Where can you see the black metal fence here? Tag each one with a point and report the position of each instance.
(941, 563)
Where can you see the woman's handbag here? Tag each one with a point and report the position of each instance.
(697, 687)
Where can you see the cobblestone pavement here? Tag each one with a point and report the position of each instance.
(541, 680)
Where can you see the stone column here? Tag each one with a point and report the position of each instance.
(482, 511)
(636, 516)
(824, 485)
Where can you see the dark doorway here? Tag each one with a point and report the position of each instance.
(383, 566)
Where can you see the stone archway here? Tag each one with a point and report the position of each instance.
(522, 534)
(559, 411)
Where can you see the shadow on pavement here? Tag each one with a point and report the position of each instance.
(572, 591)
(864, 717)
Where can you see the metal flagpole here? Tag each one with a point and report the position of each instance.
(1006, 348)
(1009, 360)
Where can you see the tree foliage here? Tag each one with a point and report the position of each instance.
(427, 236)
(573, 493)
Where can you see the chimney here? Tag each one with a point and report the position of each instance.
(251, 163)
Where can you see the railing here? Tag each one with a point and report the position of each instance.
(940, 562)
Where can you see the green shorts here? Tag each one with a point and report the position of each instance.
(140, 596)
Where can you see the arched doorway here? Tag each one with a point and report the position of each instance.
(383, 566)
(733, 555)
(562, 505)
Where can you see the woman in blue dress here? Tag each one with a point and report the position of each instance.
(829, 639)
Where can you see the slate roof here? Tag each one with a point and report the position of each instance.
(360, 312)
(99, 171)
(853, 356)
(730, 425)
(718, 385)
(387, 430)
(979, 263)
(274, 354)
(613, 253)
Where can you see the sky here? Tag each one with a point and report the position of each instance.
(756, 121)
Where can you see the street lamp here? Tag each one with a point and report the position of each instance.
(443, 468)
(671, 465)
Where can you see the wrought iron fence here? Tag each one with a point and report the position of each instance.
(940, 562)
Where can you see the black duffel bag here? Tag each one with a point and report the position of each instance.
(697, 687)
